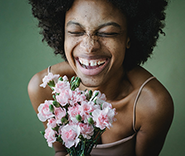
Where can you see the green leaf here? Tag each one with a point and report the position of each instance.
(51, 108)
(60, 79)
(42, 132)
(78, 117)
(51, 84)
(90, 94)
(90, 121)
(56, 104)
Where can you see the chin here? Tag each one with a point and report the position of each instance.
(91, 82)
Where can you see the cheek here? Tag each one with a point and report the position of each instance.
(70, 44)
(116, 47)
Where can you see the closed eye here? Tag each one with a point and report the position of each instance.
(107, 34)
(75, 33)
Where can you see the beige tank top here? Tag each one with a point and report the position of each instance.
(126, 146)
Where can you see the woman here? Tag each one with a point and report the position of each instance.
(104, 42)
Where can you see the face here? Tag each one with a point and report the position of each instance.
(95, 41)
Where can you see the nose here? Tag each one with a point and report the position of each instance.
(90, 43)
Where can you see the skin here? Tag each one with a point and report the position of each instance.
(96, 30)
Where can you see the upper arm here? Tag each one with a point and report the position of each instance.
(37, 96)
(154, 116)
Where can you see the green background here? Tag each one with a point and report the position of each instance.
(23, 54)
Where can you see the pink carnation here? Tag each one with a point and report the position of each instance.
(50, 136)
(70, 134)
(59, 114)
(52, 123)
(86, 108)
(73, 111)
(103, 118)
(65, 78)
(100, 96)
(60, 86)
(64, 97)
(78, 96)
(106, 104)
(49, 78)
(86, 130)
(44, 112)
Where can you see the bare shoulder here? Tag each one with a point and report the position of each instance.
(155, 104)
(154, 114)
(39, 95)
(36, 93)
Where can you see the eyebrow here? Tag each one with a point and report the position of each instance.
(100, 26)
(75, 23)
(109, 24)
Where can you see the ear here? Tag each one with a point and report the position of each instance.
(128, 43)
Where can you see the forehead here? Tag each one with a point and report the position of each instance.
(92, 12)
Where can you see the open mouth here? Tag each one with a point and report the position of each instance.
(92, 67)
(91, 64)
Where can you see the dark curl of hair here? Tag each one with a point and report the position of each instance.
(145, 23)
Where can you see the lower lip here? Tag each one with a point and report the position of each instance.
(91, 72)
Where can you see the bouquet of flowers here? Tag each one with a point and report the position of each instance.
(75, 118)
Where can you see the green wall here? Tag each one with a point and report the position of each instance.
(23, 54)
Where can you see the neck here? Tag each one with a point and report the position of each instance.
(115, 88)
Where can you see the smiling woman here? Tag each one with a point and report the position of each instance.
(104, 42)
(95, 35)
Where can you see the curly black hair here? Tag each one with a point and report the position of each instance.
(145, 23)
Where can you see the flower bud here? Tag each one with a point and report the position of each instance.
(51, 108)
(77, 82)
(60, 78)
(73, 87)
(90, 121)
(78, 117)
(96, 94)
(54, 97)
(56, 104)
(72, 79)
(81, 137)
(64, 120)
(55, 128)
(90, 93)
(42, 132)
(51, 84)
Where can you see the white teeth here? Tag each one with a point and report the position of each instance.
(101, 62)
(86, 62)
(91, 62)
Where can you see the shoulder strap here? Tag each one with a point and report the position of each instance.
(49, 69)
(136, 99)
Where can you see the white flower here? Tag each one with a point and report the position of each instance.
(44, 111)
(50, 136)
(103, 118)
(49, 78)
(70, 134)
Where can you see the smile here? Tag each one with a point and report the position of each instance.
(91, 64)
